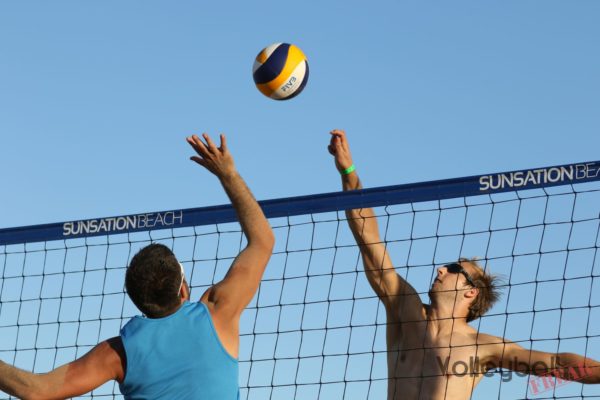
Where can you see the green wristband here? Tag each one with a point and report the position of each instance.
(348, 170)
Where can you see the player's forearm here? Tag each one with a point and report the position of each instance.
(364, 227)
(351, 182)
(252, 219)
(17, 382)
(362, 221)
(578, 368)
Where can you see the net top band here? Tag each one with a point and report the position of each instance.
(487, 184)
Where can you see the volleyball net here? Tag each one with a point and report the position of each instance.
(315, 329)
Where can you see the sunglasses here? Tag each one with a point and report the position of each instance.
(456, 268)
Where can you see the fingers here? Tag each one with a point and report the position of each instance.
(216, 159)
(338, 142)
(331, 145)
(208, 148)
(198, 160)
(211, 145)
(338, 138)
(197, 144)
(223, 142)
(338, 133)
(331, 149)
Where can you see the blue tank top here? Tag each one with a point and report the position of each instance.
(177, 357)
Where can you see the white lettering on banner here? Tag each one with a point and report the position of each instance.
(120, 224)
(539, 176)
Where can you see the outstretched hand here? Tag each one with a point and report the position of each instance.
(339, 148)
(217, 160)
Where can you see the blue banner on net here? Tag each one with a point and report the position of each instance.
(399, 194)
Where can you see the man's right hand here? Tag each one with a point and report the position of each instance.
(227, 299)
(339, 148)
(217, 160)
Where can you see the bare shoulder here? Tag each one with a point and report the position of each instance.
(407, 309)
(471, 337)
(106, 361)
(492, 348)
(207, 298)
(226, 327)
(113, 353)
(115, 347)
(486, 339)
(110, 350)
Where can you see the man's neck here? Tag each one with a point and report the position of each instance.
(444, 320)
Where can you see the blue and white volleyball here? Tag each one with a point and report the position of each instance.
(280, 71)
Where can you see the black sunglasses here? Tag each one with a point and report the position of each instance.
(456, 268)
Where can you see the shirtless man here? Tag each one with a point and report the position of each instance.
(433, 353)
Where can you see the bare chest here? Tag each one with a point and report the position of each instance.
(420, 367)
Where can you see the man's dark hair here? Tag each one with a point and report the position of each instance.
(153, 280)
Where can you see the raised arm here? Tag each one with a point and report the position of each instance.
(103, 363)
(228, 298)
(391, 288)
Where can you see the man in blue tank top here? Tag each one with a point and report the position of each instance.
(179, 349)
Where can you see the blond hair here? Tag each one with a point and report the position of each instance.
(487, 286)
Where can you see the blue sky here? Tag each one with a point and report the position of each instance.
(97, 97)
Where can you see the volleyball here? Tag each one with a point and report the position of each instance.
(280, 71)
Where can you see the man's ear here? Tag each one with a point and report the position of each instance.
(184, 292)
(472, 293)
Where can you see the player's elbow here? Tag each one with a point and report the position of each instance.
(265, 241)
(270, 241)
